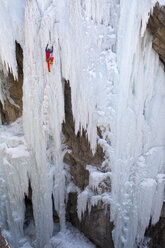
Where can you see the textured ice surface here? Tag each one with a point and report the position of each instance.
(138, 147)
(117, 83)
(12, 29)
(80, 45)
(14, 166)
(71, 238)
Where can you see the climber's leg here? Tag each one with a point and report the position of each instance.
(48, 66)
(51, 60)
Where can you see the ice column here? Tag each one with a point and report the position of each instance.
(138, 150)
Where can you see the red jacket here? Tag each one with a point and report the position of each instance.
(47, 55)
(48, 52)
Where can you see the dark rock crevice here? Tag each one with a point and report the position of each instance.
(12, 90)
(2, 113)
(3, 241)
(28, 208)
(156, 232)
(156, 26)
(80, 154)
(96, 224)
(56, 218)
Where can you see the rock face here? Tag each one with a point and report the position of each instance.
(12, 90)
(96, 225)
(81, 154)
(157, 233)
(156, 26)
(3, 242)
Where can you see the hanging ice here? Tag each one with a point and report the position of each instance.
(138, 155)
(117, 83)
(12, 20)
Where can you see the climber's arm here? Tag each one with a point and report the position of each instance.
(46, 49)
(51, 50)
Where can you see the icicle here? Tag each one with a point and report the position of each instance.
(137, 153)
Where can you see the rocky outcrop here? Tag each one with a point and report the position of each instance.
(80, 155)
(156, 233)
(3, 242)
(156, 26)
(96, 225)
(12, 90)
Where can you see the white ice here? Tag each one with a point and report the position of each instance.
(117, 83)
(15, 163)
(12, 29)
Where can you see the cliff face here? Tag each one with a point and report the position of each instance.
(12, 91)
(121, 179)
(156, 233)
(156, 26)
(94, 224)
(3, 242)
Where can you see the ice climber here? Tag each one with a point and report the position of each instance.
(49, 56)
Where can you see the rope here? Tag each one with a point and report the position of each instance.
(49, 37)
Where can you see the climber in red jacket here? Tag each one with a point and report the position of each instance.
(49, 56)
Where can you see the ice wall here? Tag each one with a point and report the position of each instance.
(117, 83)
(138, 148)
(134, 143)
(81, 35)
(12, 29)
(15, 165)
(43, 115)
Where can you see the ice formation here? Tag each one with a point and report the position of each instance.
(12, 29)
(117, 83)
(138, 155)
(15, 162)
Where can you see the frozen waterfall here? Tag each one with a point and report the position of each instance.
(103, 49)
